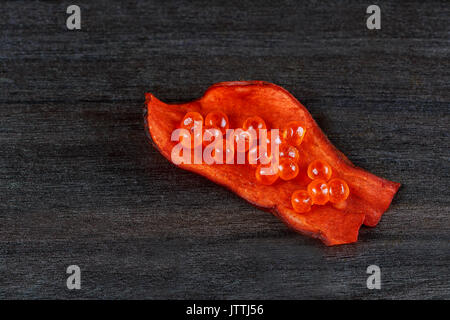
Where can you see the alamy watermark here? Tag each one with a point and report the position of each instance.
(74, 280)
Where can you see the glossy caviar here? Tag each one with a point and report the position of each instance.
(288, 151)
(333, 223)
(255, 140)
(243, 140)
(190, 120)
(266, 174)
(259, 155)
(191, 140)
(287, 169)
(211, 135)
(294, 132)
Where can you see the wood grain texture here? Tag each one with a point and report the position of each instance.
(80, 184)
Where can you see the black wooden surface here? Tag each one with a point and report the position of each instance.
(80, 183)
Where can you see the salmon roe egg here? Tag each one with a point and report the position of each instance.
(254, 123)
(301, 201)
(210, 135)
(289, 152)
(217, 119)
(262, 151)
(223, 152)
(259, 155)
(190, 120)
(243, 140)
(319, 169)
(266, 174)
(276, 138)
(266, 139)
(294, 132)
(318, 190)
(287, 169)
(191, 140)
(338, 190)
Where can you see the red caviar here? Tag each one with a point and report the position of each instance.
(217, 119)
(338, 190)
(243, 140)
(318, 190)
(262, 152)
(301, 201)
(289, 152)
(319, 169)
(267, 144)
(254, 123)
(294, 132)
(191, 140)
(266, 174)
(259, 155)
(277, 138)
(340, 205)
(210, 135)
(287, 169)
(190, 120)
(335, 223)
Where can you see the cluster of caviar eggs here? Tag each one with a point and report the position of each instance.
(269, 169)
(321, 189)
(286, 165)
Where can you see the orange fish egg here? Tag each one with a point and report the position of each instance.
(318, 190)
(254, 123)
(289, 152)
(191, 140)
(259, 155)
(210, 135)
(266, 174)
(223, 153)
(319, 169)
(217, 119)
(294, 132)
(287, 169)
(268, 137)
(338, 190)
(190, 120)
(301, 201)
(265, 141)
(243, 140)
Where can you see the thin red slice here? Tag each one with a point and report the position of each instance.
(370, 196)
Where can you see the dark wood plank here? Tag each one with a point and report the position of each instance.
(80, 183)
